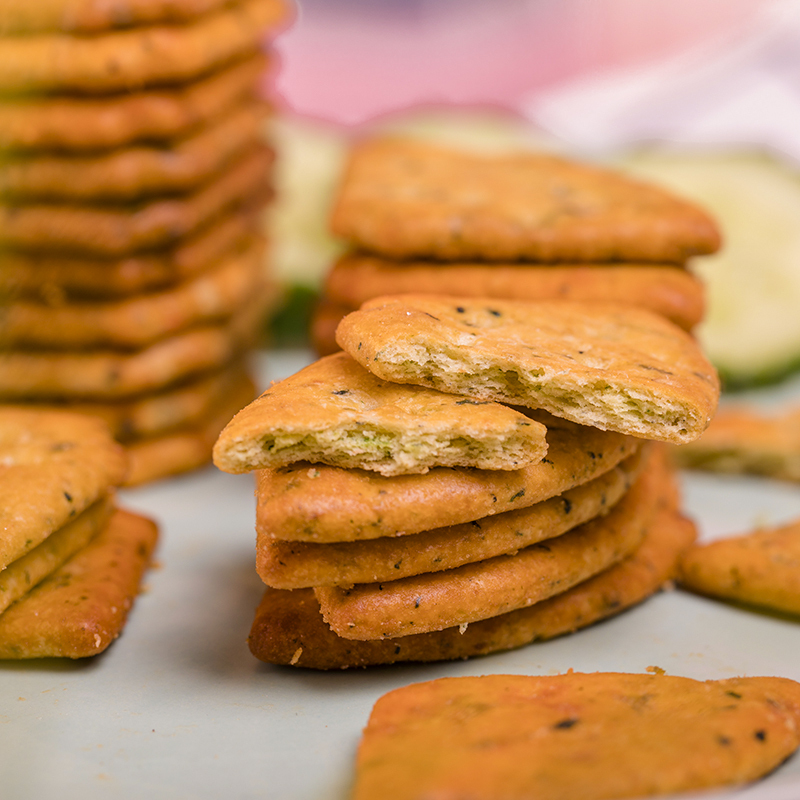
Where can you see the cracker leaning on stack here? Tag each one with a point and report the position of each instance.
(441, 554)
(70, 561)
(421, 218)
(133, 176)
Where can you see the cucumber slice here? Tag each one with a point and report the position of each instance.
(752, 327)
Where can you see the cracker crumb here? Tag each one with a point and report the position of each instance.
(296, 656)
(97, 640)
(656, 670)
(462, 628)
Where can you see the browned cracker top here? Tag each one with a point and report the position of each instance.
(403, 198)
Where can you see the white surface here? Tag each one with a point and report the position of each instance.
(178, 708)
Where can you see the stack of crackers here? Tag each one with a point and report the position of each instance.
(70, 561)
(422, 218)
(134, 173)
(468, 476)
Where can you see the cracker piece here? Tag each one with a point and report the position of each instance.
(138, 321)
(20, 576)
(668, 290)
(434, 601)
(293, 565)
(54, 465)
(592, 736)
(335, 412)
(101, 230)
(82, 607)
(329, 504)
(131, 174)
(744, 440)
(760, 568)
(54, 279)
(186, 449)
(141, 57)
(325, 317)
(85, 124)
(406, 199)
(89, 16)
(612, 367)
(288, 627)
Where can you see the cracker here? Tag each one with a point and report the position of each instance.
(102, 230)
(288, 627)
(743, 440)
(760, 568)
(82, 607)
(55, 279)
(188, 448)
(85, 124)
(20, 576)
(54, 465)
(591, 736)
(293, 565)
(141, 57)
(405, 199)
(613, 367)
(138, 321)
(335, 412)
(329, 504)
(130, 174)
(668, 290)
(434, 601)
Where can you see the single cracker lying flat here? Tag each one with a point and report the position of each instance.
(668, 290)
(294, 565)
(82, 607)
(335, 412)
(760, 568)
(318, 503)
(53, 465)
(138, 321)
(288, 627)
(743, 440)
(612, 367)
(131, 59)
(599, 736)
(434, 601)
(133, 173)
(85, 124)
(410, 199)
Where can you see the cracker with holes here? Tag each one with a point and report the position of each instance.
(594, 736)
(319, 503)
(608, 366)
(404, 199)
(336, 412)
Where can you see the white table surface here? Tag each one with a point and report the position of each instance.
(178, 708)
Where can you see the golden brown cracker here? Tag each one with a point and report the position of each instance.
(760, 568)
(101, 230)
(328, 504)
(609, 366)
(82, 607)
(133, 173)
(85, 124)
(403, 199)
(54, 465)
(138, 321)
(293, 565)
(668, 290)
(120, 60)
(335, 412)
(743, 440)
(592, 736)
(497, 585)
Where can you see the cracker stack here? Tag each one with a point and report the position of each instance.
(420, 218)
(431, 557)
(70, 562)
(134, 173)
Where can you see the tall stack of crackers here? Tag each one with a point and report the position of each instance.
(134, 173)
(377, 544)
